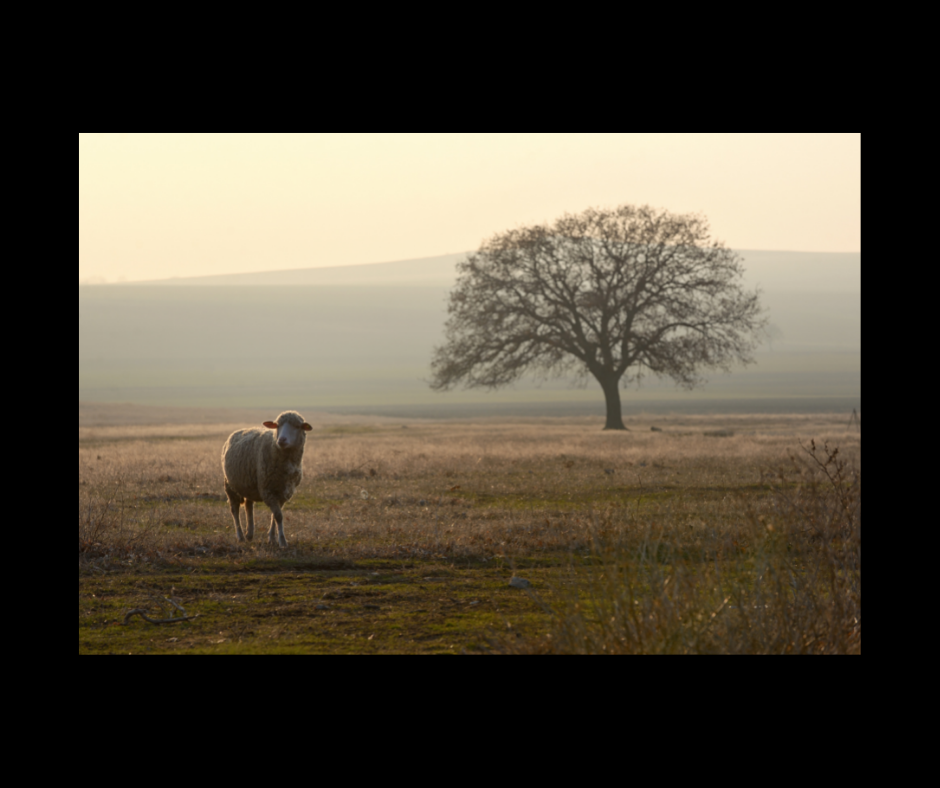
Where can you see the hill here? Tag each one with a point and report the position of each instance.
(772, 270)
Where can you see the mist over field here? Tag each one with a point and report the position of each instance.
(359, 339)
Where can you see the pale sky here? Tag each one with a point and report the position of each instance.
(158, 205)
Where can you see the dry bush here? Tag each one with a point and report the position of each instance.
(785, 579)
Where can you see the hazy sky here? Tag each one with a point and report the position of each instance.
(159, 205)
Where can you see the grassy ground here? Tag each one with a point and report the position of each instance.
(404, 536)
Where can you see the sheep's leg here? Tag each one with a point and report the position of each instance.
(238, 526)
(250, 517)
(234, 501)
(277, 519)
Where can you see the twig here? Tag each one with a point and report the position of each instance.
(161, 600)
(175, 605)
(712, 617)
(142, 612)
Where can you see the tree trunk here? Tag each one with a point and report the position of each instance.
(611, 388)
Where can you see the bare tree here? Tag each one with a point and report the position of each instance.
(616, 294)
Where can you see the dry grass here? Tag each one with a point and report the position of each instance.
(649, 531)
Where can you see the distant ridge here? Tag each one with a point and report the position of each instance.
(431, 271)
(779, 271)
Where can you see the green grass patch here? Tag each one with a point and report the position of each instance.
(305, 500)
(279, 606)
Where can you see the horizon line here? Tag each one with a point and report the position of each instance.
(363, 265)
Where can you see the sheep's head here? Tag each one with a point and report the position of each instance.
(290, 429)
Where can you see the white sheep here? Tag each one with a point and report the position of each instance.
(264, 465)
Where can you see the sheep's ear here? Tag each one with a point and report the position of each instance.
(307, 427)
(271, 425)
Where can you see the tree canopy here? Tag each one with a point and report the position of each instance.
(616, 293)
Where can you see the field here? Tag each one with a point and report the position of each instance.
(710, 534)
(371, 346)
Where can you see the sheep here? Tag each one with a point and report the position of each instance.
(264, 465)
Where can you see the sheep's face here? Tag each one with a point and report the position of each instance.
(290, 430)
